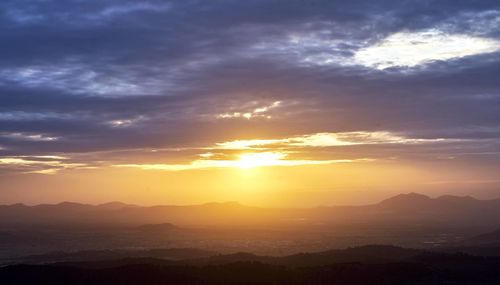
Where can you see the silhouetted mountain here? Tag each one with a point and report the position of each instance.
(119, 213)
(406, 201)
(457, 199)
(115, 205)
(401, 210)
(419, 202)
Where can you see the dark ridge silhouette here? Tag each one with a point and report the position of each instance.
(458, 199)
(401, 209)
(115, 205)
(406, 200)
(415, 201)
(362, 265)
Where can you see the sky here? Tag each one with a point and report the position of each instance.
(273, 103)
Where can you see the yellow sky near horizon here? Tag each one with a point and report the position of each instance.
(318, 110)
(360, 182)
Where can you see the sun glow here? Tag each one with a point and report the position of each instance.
(251, 160)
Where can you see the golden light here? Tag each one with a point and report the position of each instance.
(251, 160)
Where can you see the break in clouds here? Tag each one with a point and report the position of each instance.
(84, 82)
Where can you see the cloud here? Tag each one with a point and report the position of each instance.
(121, 77)
(248, 160)
(30, 137)
(38, 164)
(275, 152)
(410, 49)
(119, 10)
(329, 140)
(259, 112)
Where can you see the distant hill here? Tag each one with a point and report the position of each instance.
(407, 201)
(414, 202)
(404, 209)
(115, 206)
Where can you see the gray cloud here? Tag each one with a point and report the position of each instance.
(165, 69)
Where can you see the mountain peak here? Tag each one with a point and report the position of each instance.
(114, 205)
(456, 198)
(406, 198)
(71, 204)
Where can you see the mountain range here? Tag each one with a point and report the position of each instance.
(412, 208)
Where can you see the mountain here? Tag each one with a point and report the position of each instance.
(406, 201)
(419, 202)
(115, 206)
(404, 209)
(444, 210)
(158, 228)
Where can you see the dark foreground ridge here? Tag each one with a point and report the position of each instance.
(363, 265)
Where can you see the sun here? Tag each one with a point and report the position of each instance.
(251, 160)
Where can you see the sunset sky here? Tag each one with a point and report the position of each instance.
(265, 102)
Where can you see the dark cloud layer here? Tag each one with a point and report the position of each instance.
(122, 75)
